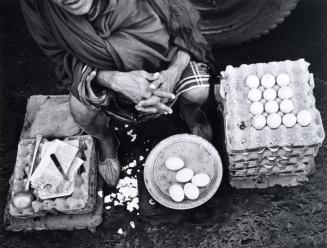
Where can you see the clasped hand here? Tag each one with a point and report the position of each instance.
(149, 91)
(160, 86)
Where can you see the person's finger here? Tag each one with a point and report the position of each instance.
(156, 83)
(146, 95)
(160, 107)
(149, 102)
(151, 110)
(164, 108)
(149, 76)
(163, 94)
(91, 76)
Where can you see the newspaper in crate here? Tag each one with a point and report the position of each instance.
(47, 179)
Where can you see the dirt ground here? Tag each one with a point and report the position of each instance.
(275, 217)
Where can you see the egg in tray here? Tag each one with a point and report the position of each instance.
(273, 128)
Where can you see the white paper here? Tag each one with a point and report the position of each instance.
(47, 178)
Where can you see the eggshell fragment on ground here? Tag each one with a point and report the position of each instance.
(274, 120)
(268, 81)
(286, 106)
(191, 191)
(256, 108)
(271, 107)
(285, 92)
(254, 95)
(304, 118)
(283, 79)
(174, 163)
(252, 81)
(270, 94)
(259, 122)
(201, 180)
(289, 120)
(184, 175)
(176, 193)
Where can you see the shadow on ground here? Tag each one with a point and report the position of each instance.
(275, 217)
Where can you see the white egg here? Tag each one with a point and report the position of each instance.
(201, 180)
(256, 108)
(176, 193)
(174, 163)
(184, 175)
(285, 92)
(254, 95)
(271, 107)
(289, 120)
(259, 121)
(304, 118)
(283, 79)
(22, 200)
(191, 191)
(274, 120)
(268, 81)
(286, 106)
(269, 94)
(252, 81)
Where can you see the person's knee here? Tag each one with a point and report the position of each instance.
(81, 113)
(197, 95)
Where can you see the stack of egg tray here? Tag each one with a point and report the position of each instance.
(267, 157)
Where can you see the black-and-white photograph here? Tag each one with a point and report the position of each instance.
(163, 123)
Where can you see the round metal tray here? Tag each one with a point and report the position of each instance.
(197, 154)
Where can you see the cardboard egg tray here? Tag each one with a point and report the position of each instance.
(268, 157)
(83, 198)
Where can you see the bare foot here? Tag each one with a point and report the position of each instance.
(109, 165)
(110, 171)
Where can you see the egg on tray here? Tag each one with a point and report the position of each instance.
(283, 79)
(176, 192)
(201, 180)
(191, 191)
(184, 175)
(271, 107)
(268, 81)
(259, 122)
(274, 120)
(252, 81)
(304, 118)
(289, 120)
(285, 92)
(270, 94)
(286, 106)
(254, 95)
(256, 108)
(174, 163)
